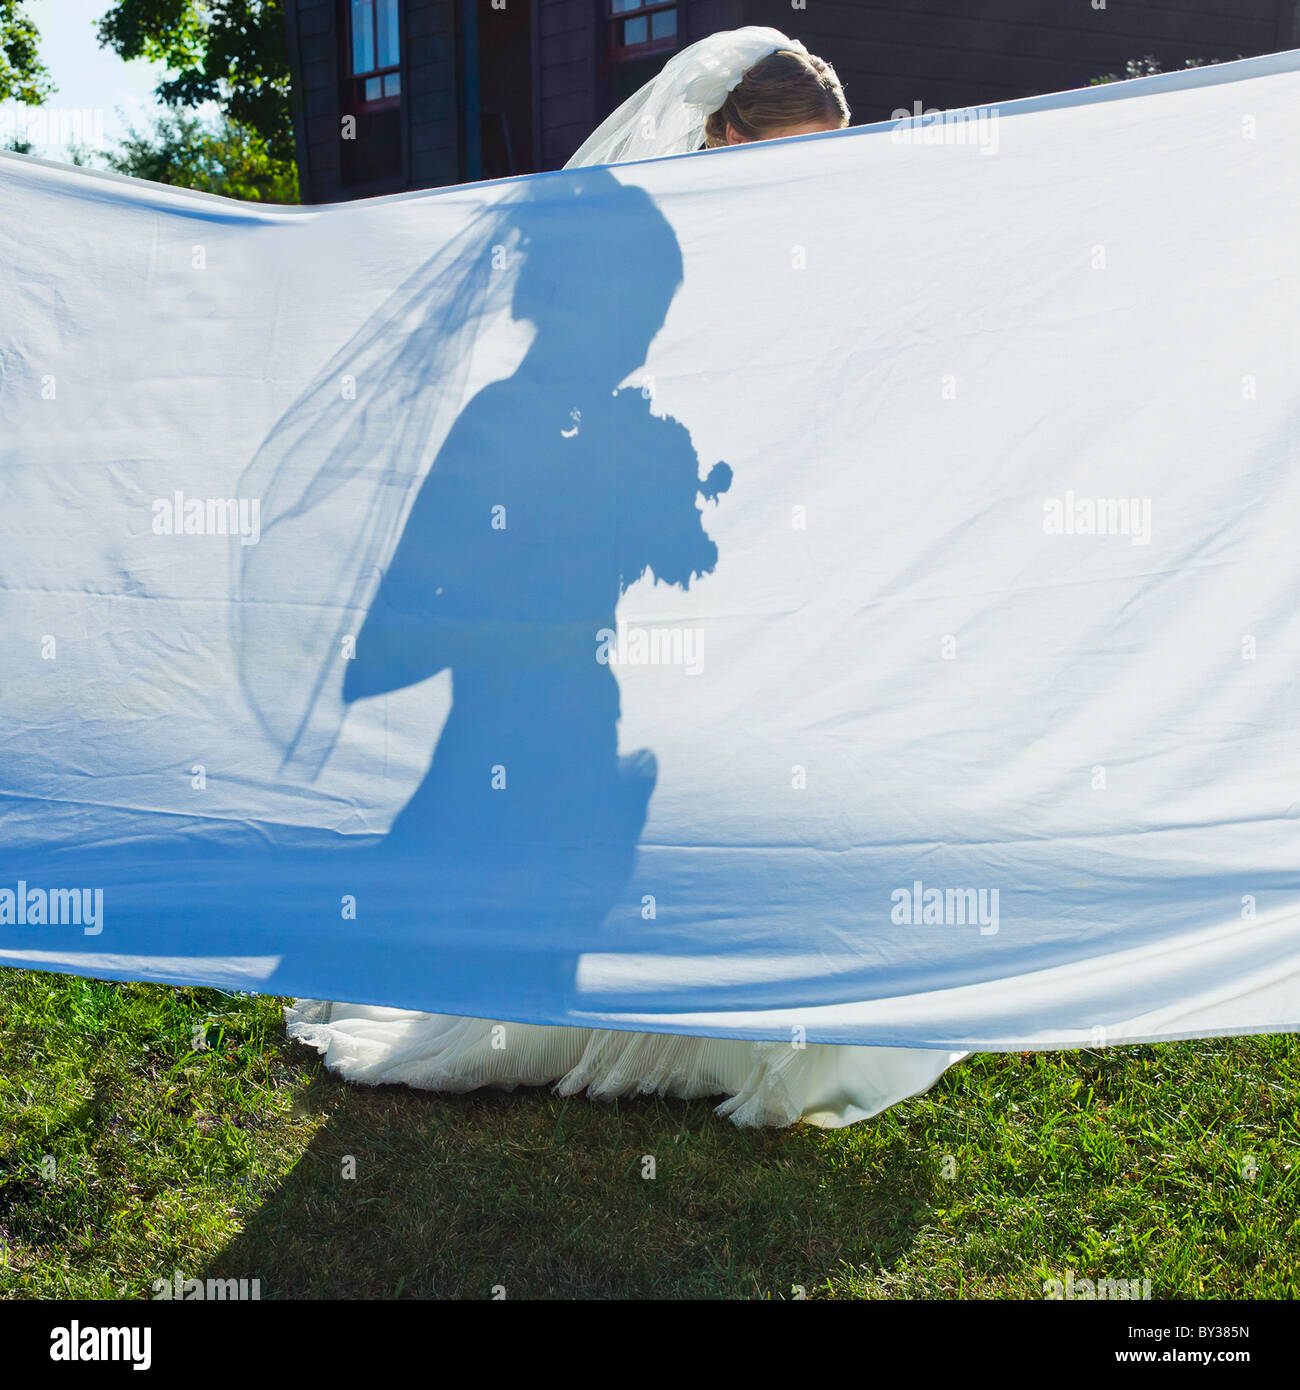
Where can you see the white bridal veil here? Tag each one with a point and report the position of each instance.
(668, 114)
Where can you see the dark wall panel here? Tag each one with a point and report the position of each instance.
(947, 53)
(433, 121)
(566, 77)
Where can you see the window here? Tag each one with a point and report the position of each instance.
(376, 53)
(373, 157)
(638, 28)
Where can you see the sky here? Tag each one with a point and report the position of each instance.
(99, 95)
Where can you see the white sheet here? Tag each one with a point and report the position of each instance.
(928, 355)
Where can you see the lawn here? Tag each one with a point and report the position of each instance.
(145, 1130)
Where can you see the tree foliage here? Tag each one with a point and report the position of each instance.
(23, 77)
(1149, 66)
(230, 52)
(229, 159)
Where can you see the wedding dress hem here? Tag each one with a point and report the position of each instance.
(765, 1083)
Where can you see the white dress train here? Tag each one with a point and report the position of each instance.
(767, 1083)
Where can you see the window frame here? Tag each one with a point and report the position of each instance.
(358, 80)
(631, 52)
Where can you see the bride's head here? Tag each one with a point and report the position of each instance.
(786, 93)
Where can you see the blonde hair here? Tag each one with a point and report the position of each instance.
(782, 90)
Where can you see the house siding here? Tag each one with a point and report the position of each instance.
(949, 53)
(567, 38)
(432, 105)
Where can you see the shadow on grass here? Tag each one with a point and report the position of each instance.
(541, 1197)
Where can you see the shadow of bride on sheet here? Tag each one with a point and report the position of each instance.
(407, 533)
(375, 756)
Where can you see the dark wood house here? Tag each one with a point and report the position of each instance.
(397, 94)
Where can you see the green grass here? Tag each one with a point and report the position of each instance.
(228, 1161)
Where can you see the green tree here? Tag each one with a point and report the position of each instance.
(233, 53)
(23, 77)
(229, 159)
